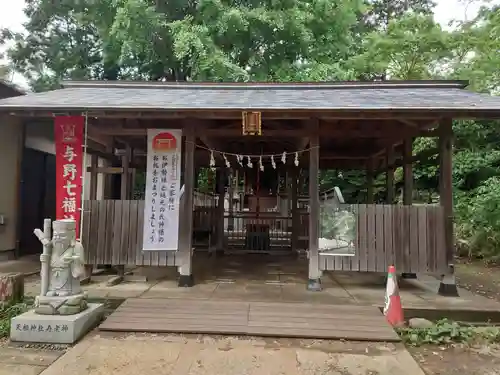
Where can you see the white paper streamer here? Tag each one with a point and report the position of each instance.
(212, 161)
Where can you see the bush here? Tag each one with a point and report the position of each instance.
(7, 312)
(478, 221)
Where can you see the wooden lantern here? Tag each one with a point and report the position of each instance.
(252, 123)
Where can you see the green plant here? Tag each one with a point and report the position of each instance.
(7, 312)
(443, 332)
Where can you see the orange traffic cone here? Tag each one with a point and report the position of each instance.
(393, 310)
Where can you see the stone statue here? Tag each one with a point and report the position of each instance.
(62, 266)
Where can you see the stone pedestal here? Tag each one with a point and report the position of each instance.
(55, 329)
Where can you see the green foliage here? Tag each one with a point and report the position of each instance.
(447, 332)
(7, 312)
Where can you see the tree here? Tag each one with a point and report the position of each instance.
(382, 12)
(5, 72)
(412, 47)
(477, 45)
(215, 40)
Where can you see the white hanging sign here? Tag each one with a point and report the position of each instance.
(163, 173)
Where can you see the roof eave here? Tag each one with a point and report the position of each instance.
(395, 84)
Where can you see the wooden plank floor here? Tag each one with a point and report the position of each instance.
(250, 318)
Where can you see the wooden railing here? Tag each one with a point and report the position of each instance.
(409, 237)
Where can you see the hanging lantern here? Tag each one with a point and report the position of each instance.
(252, 123)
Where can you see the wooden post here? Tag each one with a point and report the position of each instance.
(389, 177)
(230, 222)
(448, 286)
(133, 175)
(407, 172)
(295, 216)
(408, 186)
(314, 282)
(94, 159)
(369, 182)
(186, 226)
(107, 179)
(124, 188)
(94, 163)
(220, 210)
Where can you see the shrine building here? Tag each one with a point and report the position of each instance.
(178, 172)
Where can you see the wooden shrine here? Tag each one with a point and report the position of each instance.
(319, 126)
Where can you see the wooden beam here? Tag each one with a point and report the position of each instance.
(314, 270)
(369, 181)
(295, 217)
(221, 178)
(186, 226)
(407, 171)
(421, 157)
(354, 113)
(106, 170)
(446, 185)
(124, 186)
(389, 178)
(93, 177)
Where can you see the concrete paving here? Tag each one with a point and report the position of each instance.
(257, 278)
(28, 265)
(165, 355)
(26, 361)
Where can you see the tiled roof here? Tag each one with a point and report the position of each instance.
(151, 96)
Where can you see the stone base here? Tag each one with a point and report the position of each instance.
(408, 276)
(57, 305)
(447, 289)
(55, 329)
(314, 285)
(186, 281)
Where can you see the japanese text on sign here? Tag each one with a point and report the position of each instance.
(161, 214)
(69, 158)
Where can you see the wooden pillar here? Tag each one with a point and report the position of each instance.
(125, 187)
(133, 176)
(314, 282)
(407, 171)
(186, 225)
(230, 222)
(107, 179)
(408, 186)
(448, 285)
(369, 182)
(389, 177)
(94, 163)
(220, 209)
(295, 217)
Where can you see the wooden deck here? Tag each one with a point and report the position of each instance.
(250, 318)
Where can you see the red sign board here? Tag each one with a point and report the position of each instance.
(68, 135)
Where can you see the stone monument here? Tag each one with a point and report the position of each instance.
(62, 313)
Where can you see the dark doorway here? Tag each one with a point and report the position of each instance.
(38, 197)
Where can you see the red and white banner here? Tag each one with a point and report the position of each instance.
(68, 135)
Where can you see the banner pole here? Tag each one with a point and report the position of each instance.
(84, 173)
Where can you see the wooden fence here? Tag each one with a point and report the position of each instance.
(409, 237)
(112, 234)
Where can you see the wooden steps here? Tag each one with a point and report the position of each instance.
(250, 318)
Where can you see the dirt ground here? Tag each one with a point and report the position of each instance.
(460, 359)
